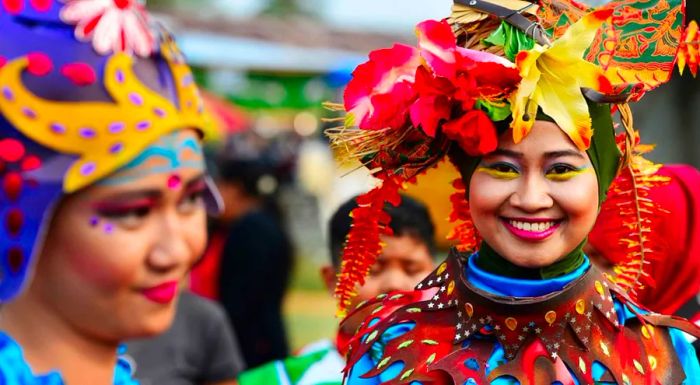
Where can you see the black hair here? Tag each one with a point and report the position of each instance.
(410, 218)
(246, 173)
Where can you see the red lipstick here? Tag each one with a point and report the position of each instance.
(163, 293)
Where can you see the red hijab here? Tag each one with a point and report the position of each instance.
(677, 273)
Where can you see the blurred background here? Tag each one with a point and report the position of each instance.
(268, 65)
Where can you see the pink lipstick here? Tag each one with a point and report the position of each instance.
(163, 293)
(531, 229)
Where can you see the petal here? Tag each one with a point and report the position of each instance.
(138, 36)
(579, 37)
(437, 45)
(567, 106)
(427, 112)
(81, 11)
(386, 72)
(484, 57)
(106, 37)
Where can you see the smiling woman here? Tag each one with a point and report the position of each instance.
(520, 97)
(104, 191)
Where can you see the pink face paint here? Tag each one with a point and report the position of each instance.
(109, 228)
(174, 182)
(94, 221)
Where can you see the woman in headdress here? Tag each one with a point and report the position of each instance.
(103, 191)
(525, 114)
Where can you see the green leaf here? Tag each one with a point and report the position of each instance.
(413, 310)
(430, 342)
(495, 112)
(431, 359)
(511, 39)
(349, 120)
(405, 344)
(395, 297)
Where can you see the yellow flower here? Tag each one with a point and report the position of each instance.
(552, 79)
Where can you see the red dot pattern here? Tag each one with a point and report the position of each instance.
(39, 64)
(15, 259)
(81, 74)
(12, 185)
(11, 150)
(14, 221)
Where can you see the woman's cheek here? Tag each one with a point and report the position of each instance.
(197, 235)
(114, 263)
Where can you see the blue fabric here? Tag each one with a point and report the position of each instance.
(519, 288)
(14, 370)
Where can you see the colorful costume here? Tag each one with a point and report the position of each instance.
(85, 87)
(479, 319)
(317, 364)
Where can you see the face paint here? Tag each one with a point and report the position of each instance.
(564, 172)
(172, 153)
(500, 170)
(174, 182)
(114, 241)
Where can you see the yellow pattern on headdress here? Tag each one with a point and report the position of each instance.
(104, 135)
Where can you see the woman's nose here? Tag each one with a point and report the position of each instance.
(532, 194)
(172, 249)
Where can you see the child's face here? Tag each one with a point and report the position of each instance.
(403, 263)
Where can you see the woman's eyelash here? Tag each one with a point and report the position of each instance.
(115, 213)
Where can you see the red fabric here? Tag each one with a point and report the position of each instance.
(204, 277)
(677, 276)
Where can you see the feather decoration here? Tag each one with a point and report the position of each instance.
(363, 243)
(631, 213)
(464, 232)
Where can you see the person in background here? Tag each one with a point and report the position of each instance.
(104, 187)
(250, 260)
(407, 257)
(200, 348)
(675, 270)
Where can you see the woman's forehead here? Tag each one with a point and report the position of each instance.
(174, 153)
(545, 137)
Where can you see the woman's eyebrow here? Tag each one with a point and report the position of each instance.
(195, 182)
(130, 196)
(562, 153)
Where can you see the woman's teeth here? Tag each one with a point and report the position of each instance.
(530, 226)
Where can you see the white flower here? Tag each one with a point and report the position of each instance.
(111, 25)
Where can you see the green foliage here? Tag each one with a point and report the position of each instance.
(511, 39)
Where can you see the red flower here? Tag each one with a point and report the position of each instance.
(474, 132)
(433, 103)
(431, 84)
(380, 92)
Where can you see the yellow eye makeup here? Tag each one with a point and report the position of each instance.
(568, 175)
(498, 174)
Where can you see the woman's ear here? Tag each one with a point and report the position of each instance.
(329, 275)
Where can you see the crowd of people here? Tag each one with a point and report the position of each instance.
(129, 256)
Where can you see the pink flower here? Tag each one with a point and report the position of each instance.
(380, 92)
(112, 25)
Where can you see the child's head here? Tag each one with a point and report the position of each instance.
(407, 256)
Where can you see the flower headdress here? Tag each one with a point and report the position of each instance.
(493, 62)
